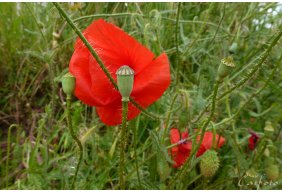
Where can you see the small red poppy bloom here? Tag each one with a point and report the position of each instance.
(116, 48)
(182, 151)
(253, 140)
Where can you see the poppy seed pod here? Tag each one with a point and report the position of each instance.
(68, 83)
(226, 65)
(125, 80)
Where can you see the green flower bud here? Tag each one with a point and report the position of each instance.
(269, 161)
(68, 83)
(125, 79)
(268, 129)
(226, 65)
(272, 172)
(209, 163)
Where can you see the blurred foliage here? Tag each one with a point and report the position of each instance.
(36, 45)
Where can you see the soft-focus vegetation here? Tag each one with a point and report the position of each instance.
(36, 44)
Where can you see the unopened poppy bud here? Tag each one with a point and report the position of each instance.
(269, 161)
(268, 129)
(226, 65)
(125, 79)
(272, 172)
(68, 83)
(209, 163)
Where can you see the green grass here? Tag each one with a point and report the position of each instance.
(36, 44)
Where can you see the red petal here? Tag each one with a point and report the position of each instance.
(207, 140)
(180, 159)
(201, 151)
(115, 47)
(150, 84)
(102, 88)
(174, 135)
(79, 68)
(112, 114)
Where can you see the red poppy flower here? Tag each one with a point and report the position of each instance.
(182, 151)
(116, 48)
(253, 140)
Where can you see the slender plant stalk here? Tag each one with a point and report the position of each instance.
(123, 144)
(136, 155)
(8, 152)
(168, 117)
(98, 59)
(74, 138)
(176, 43)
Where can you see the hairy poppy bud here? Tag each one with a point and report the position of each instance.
(272, 172)
(268, 129)
(125, 79)
(226, 65)
(68, 83)
(209, 163)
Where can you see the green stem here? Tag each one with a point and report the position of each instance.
(168, 117)
(123, 144)
(8, 152)
(176, 42)
(135, 157)
(74, 138)
(97, 58)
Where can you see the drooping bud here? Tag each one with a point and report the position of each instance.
(68, 83)
(125, 80)
(209, 163)
(268, 129)
(225, 67)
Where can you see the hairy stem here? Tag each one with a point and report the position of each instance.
(74, 138)
(123, 144)
(176, 42)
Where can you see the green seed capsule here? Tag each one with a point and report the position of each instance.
(68, 83)
(225, 67)
(125, 80)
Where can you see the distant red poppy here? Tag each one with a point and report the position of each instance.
(116, 48)
(182, 151)
(253, 140)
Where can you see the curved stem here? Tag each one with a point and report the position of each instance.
(123, 144)
(74, 138)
